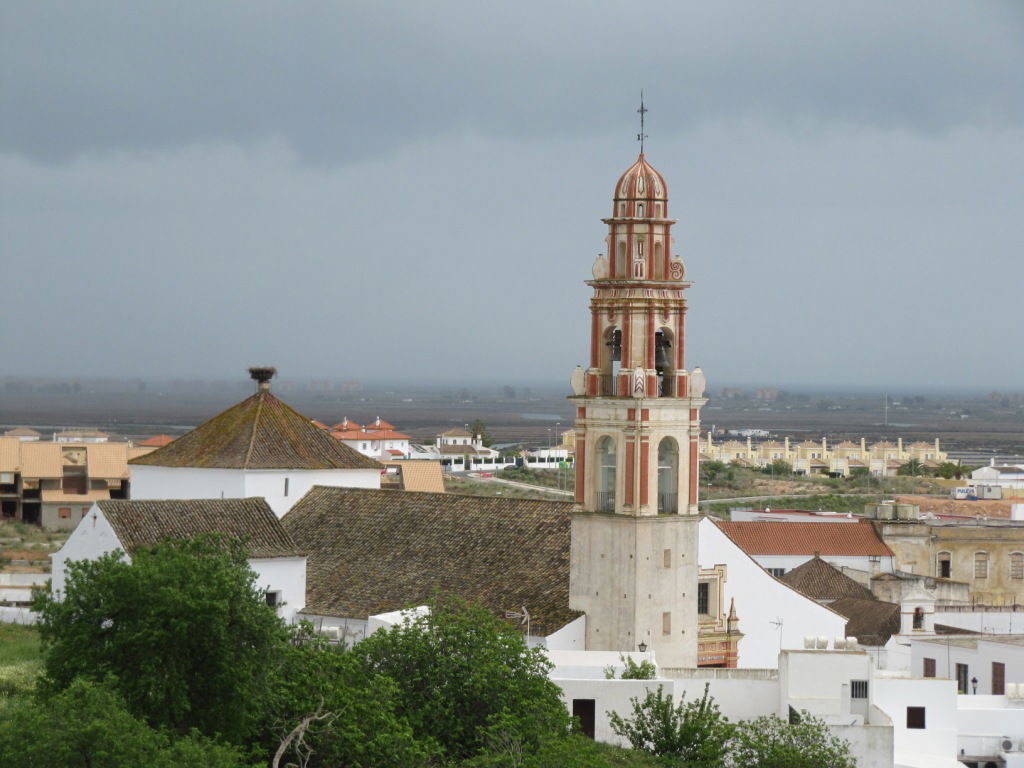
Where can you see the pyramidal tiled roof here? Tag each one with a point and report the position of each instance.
(143, 523)
(823, 581)
(374, 551)
(872, 622)
(261, 432)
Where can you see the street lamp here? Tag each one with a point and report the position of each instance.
(974, 685)
(642, 647)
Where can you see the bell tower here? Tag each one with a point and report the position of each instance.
(634, 527)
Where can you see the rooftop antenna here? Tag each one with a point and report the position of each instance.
(642, 111)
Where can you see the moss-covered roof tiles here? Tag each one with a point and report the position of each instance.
(143, 523)
(376, 551)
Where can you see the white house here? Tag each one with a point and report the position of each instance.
(772, 614)
(378, 439)
(129, 525)
(259, 447)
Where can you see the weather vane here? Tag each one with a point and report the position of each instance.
(642, 111)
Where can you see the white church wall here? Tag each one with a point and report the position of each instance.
(270, 483)
(92, 537)
(761, 601)
(151, 482)
(571, 637)
(285, 575)
(740, 694)
(608, 696)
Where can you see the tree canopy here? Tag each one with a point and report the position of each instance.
(182, 631)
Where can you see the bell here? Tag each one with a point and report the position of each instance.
(661, 345)
(616, 344)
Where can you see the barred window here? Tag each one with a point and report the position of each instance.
(858, 689)
(981, 565)
(1017, 565)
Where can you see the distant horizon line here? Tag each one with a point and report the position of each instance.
(242, 381)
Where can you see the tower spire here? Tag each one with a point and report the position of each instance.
(642, 111)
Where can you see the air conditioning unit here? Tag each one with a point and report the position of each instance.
(1006, 744)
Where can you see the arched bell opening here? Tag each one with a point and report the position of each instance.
(664, 341)
(611, 359)
(604, 488)
(668, 477)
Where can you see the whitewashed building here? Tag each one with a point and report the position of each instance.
(130, 525)
(259, 447)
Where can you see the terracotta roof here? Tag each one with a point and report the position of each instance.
(57, 496)
(318, 424)
(261, 432)
(459, 450)
(374, 551)
(419, 475)
(10, 454)
(41, 460)
(456, 433)
(107, 460)
(782, 538)
(872, 622)
(823, 581)
(22, 432)
(367, 434)
(134, 451)
(140, 523)
(156, 441)
(79, 433)
(379, 423)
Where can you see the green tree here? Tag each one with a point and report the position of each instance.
(912, 468)
(770, 742)
(477, 427)
(182, 629)
(709, 471)
(329, 712)
(88, 725)
(461, 671)
(695, 732)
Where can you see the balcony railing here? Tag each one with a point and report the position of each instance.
(668, 503)
(605, 501)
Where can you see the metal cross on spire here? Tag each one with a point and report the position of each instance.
(642, 111)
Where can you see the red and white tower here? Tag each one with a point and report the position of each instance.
(634, 533)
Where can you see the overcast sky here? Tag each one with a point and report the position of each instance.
(414, 189)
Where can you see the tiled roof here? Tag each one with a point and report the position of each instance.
(107, 460)
(141, 523)
(156, 441)
(134, 451)
(872, 622)
(22, 432)
(780, 538)
(456, 433)
(261, 432)
(375, 551)
(80, 433)
(10, 454)
(419, 475)
(41, 460)
(822, 581)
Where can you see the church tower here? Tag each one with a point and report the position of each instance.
(634, 528)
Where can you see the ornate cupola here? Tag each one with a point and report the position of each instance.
(634, 544)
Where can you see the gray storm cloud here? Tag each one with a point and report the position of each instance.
(402, 189)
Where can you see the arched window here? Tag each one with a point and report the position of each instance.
(668, 477)
(919, 618)
(1017, 565)
(606, 475)
(659, 267)
(640, 210)
(981, 565)
(945, 565)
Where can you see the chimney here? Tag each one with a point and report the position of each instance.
(262, 376)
